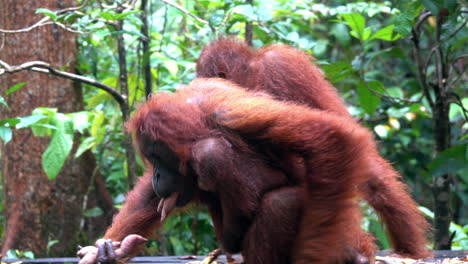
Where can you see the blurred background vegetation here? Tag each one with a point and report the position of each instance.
(399, 65)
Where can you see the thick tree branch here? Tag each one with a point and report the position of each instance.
(421, 20)
(42, 22)
(43, 67)
(421, 68)
(47, 21)
(146, 49)
(248, 28)
(442, 139)
(439, 89)
(123, 79)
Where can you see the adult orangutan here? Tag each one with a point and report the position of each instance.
(288, 75)
(267, 71)
(235, 151)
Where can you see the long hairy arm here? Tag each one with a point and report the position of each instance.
(139, 214)
(137, 218)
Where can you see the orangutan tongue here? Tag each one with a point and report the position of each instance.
(166, 205)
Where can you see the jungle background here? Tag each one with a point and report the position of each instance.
(72, 72)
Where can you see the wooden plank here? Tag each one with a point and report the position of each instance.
(438, 254)
(177, 259)
(135, 260)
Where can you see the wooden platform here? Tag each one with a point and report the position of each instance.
(439, 255)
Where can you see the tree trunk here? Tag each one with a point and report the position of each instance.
(123, 81)
(441, 184)
(442, 137)
(38, 210)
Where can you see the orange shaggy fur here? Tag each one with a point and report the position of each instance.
(303, 117)
(287, 74)
(335, 151)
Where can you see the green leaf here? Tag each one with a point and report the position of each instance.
(45, 111)
(395, 92)
(320, 47)
(97, 127)
(43, 129)
(293, 36)
(432, 6)
(9, 122)
(15, 87)
(456, 110)
(99, 98)
(154, 73)
(69, 17)
(56, 153)
(3, 102)
(451, 5)
(29, 120)
(394, 52)
(6, 134)
(216, 18)
(367, 97)
(367, 33)
(125, 14)
(337, 71)
(449, 161)
(376, 86)
(59, 147)
(88, 143)
(93, 212)
(134, 88)
(111, 15)
(245, 10)
(356, 22)
(80, 121)
(404, 21)
(28, 254)
(51, 243)
(172, 67)
(341, 33)
(63, 122)
(11, 254)
(386, 33)
(44, 126)
(46, 12)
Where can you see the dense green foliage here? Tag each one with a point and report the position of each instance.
(364, 48)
